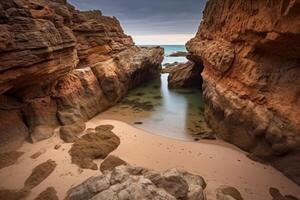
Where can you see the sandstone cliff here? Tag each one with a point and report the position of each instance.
(250, 51)
(60, 66)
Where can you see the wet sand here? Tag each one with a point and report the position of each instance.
(218, 162)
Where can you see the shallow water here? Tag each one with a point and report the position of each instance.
(155, 108)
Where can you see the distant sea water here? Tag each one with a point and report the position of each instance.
(171, 49)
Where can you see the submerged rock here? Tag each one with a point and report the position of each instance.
(135, 183)
(178, 54)
(138, 105)
(96, 144)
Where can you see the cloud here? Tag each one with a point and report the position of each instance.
(150, 17)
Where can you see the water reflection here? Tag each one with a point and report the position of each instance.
(155, 108)
(172, 113)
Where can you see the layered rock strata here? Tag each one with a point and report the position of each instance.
(250, 51)
(60, 66)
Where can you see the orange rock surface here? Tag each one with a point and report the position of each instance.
(250, 51)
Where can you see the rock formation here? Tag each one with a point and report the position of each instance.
(110, 163)
(178, 54)
(184, 75)
(96, 144)
(135, 183)
(60, 66)
(250, 51)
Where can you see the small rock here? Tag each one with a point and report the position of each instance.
(39, 174)
(140, 94)
(138, 123)
(227, 192)
(104, 128)
(37, 154)
(178, 54)
(157, 97)
(275, 193)
(9, 158)
(57, 146)
(110, 163)
(173, 182)
(208, 136)
(49, 194)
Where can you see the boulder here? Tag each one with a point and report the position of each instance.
(184, 76)
(170, 67)
(127, 182)
(110, 163)
(178, 54)
(93, 145)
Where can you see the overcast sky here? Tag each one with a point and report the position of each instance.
(151, 21)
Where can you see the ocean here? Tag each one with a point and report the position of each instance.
(171, 49)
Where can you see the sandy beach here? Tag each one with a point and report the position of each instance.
(218, 162)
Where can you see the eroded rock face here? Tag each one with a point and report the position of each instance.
(250, 52)
(13, 130)
(36, 46)
(127, 182)
(184, 75)
(64, 66)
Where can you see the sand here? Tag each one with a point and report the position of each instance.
(218, 162)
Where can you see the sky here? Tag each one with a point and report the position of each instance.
(151, 22)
